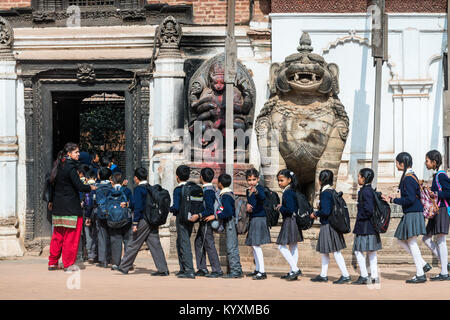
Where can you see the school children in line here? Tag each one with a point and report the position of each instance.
(438, 226)
(226, 213)
(258, 232)
(412, 223)
(330, 241)
(204, 240)
(142, 231)
(120, 235)
(289, 233)
(98, 197)
(366, 238)
(184, 229)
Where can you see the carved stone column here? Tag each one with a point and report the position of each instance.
(10, 244)
(166, 112)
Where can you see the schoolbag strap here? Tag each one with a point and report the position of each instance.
(440, 187)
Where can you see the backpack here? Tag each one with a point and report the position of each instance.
(217, 224)
(157, 205)
(440, 189)
(117, 217)
(241, 216)
(302, 216)
(270, 203)
(339, 218)
(191, 201)
(428, 199)
(101, 194)
(381, 215)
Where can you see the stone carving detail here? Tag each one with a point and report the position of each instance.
(6, 39)
(206, 98)
(85, 73)
(305, 117)
(168, 36)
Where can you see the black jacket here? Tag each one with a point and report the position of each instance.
(66, 197)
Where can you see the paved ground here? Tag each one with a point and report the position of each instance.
(28, 278)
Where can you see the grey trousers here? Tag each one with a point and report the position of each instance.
(150, 235)
(232, 246)
(204, 243)
(119, 236)
(183, 244)
(90, 233)
(103, 241)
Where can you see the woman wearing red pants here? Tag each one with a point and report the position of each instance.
(67, 217)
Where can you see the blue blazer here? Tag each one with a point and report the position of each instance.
(410, 195)
(228, 207)
(256, 200)
(366, 207)
(444, 181)
(289, 203)
(325, 206)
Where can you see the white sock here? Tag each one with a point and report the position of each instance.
(341, 263)
(256, 259)
(417, 257)
(289, 258)
(428, 240)
(404, 245)
(361, 263)
(294, 252)
(373, 264)
(325, 262)
(258, 253)
(443, 253)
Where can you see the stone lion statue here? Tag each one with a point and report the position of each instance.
(303, 126)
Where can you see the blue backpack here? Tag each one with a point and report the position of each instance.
(101, 195)
(117, 217)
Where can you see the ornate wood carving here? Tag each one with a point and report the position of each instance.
(6, 40)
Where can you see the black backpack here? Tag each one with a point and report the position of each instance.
(381, 214)
(157, 205)
(270, 204)
(302, 217)
(339, 218)
(191, 201)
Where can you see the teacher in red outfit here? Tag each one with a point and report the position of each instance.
(67, 217)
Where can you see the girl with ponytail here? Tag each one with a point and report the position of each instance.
(412, 223)
(289, 233)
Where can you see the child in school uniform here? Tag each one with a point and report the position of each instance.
(204, 241)
(366, 237)
(121, 235)
(438, 225)
(184, 229)
(289, 233)
(142, 231)
(226, 212)
(412, 223)
(258, 232)
(330, 241)
(103, 239)
(90, 231)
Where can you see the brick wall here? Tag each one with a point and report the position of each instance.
(8, 4)
(343, 6)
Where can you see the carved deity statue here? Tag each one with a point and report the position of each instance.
(303, 126)
(207, 99)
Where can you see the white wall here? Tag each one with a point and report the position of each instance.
(412, 82)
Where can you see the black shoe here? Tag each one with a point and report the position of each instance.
(285, 276)
(117, 268)
(160, 274)
(233, 275)
(214, 275)
(292, 276)
(375, 280)
(254, 273)
(427, 268)
(319, 278)
(179, 272)
(53, 267)
(260, 276)
(417, 279)
(186, 276)
(342, 280)
(440, 277)
(361, 280)
(102, 265)
(299, 273)
(202, 273)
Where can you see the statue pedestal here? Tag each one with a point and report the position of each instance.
(239, 181)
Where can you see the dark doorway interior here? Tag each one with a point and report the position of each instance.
(94, 120)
